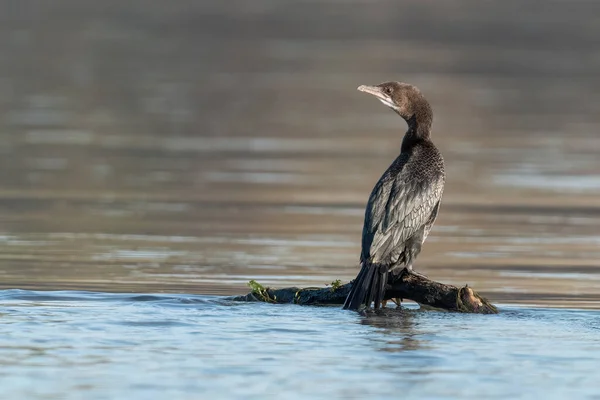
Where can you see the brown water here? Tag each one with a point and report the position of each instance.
(188, 149)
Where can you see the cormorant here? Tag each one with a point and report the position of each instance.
(405, 201)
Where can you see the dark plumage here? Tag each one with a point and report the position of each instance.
(405, 201)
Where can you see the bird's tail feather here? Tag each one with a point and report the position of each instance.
(368, 287)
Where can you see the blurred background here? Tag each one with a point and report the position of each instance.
(191, 146)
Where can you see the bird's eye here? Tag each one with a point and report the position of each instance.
(388, 90)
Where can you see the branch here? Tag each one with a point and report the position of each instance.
(404, 286)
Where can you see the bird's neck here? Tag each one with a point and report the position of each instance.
(419, 129)
(419, 121)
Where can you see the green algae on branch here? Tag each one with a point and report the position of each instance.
(403, 286)
(335, 285)
(261, 293)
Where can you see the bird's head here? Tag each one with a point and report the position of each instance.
(406, 100)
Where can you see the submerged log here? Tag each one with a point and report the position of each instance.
(405, 285)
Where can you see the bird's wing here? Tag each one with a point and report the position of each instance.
(399, 206)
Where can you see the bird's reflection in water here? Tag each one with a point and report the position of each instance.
(399, 328)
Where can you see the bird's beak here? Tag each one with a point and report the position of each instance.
(377, 92)
(374, 90)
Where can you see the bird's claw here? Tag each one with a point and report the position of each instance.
(413, 272)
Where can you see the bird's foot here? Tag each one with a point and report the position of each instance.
(410, 270)
(398, 302)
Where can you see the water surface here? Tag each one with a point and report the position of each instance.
(75, 344)
(189, 149)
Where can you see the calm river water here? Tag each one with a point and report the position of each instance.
(73, 345)
(155, 158)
